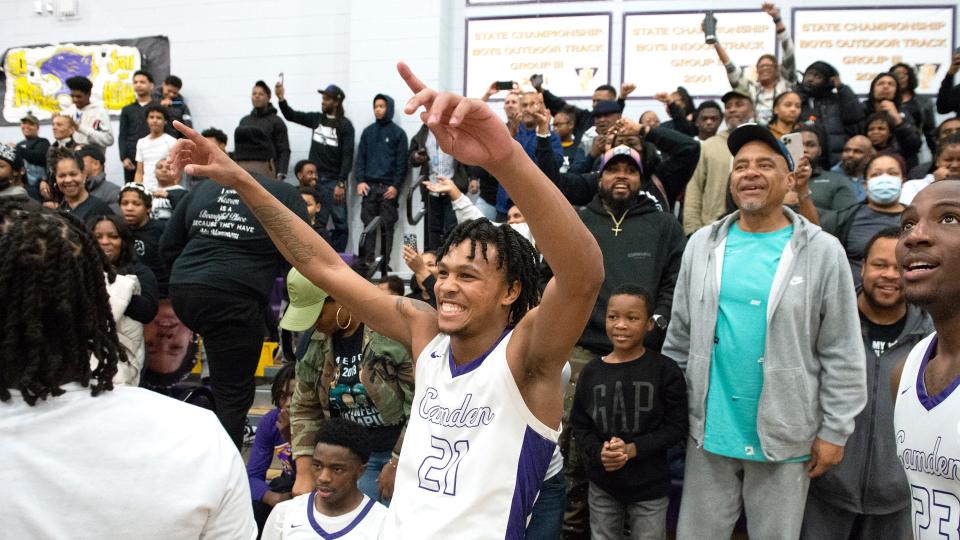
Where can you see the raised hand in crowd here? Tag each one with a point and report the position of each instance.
(280, 91)
(198, 156)
(626, 89)
(414, 261)
(771, 9)
(954, 65)
(890, 108)
(444, 185)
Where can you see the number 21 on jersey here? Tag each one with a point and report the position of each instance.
(438, 472)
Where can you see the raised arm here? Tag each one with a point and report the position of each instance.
(468, 130)
(409, 322)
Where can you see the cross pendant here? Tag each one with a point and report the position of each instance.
(616, 230)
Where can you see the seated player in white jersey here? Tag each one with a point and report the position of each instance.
(336, 508)
(927, 414)
(488, 401)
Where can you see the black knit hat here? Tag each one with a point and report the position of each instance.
(251, 144)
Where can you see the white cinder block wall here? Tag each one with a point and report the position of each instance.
(220, 47)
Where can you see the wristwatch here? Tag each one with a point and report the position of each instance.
(659, 321)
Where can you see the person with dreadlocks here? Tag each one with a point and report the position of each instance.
(67, 431)
(489, 396)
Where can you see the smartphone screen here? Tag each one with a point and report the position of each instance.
(504, 85)
(281, 77)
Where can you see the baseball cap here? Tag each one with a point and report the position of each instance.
(333, 91)
(606, 107)
(754, 132)
(29, 117)
(736, 93)
(306, 302)
(624, 152)
(93, 151)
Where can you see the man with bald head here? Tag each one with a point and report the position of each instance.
(857, 151)
(765, 324)
(927, 414)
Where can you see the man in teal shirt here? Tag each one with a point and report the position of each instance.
(765, 325)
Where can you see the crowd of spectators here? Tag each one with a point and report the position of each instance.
(780, 297)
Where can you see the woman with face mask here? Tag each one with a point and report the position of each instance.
(856, 225)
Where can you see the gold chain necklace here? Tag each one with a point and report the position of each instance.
(616, 222)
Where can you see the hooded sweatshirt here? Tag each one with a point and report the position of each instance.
(382, 153)
(870, 479)
(646, 252)
(267, 120)
(836, 110)
(814, 381)
(331, 147)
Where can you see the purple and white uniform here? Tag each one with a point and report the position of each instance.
(928, 444)
(474, 456)
(299, 519)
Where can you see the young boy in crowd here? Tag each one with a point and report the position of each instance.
(273, 440)
(630, 407)
(135, 205)
(168, 192)
(336, 507)
(312, 199)
(152, 148)
(176, 106)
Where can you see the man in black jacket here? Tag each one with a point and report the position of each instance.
(133, 122)
(33, 149)
(332, 150)
(264, 116)
(831, 104)
(224, 268)
(381, 168)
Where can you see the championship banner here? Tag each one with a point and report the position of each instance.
(864, 41)
(34, 77)
(572, 52)
(662, 51)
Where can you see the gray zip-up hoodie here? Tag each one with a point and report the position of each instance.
(813, 369)
(870, 479)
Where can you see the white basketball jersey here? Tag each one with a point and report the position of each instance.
(301, 521)
(928, 444)
(474, 457)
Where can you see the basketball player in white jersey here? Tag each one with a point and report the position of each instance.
(927, 414)
(488, 400)
(336, 508)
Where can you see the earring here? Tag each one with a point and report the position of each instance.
(349, 319)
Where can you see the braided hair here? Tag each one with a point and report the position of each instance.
(55, 312)
(515, 255)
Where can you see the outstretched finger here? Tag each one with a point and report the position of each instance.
(461, 111)
(187, 131)
(415, 84)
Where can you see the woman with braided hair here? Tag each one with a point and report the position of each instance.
(110, 461)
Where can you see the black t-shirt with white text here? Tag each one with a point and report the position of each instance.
(883, 336)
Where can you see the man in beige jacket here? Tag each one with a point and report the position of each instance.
(706, 197)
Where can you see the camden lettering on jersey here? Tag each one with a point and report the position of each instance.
(462, 416)
(929, 463)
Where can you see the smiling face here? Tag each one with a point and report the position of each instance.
(881, 275)
(133, 209)
(29, 129)
(335, 472)
(929, 248)
(70, 179)
(108, 238)
(627, 322)
(737, 111)
(472, 293)
(766, 70)
(760, 178)
(879, 134)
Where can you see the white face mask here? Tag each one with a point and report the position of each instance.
(884, 189)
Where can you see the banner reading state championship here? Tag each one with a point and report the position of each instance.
(863, 42)
(662, 51)
(571, 51)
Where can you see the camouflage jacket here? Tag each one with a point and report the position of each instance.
(386, 371)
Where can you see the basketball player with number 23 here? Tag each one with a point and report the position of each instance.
(486, 412)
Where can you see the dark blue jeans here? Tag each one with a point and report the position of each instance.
(546, 518)
(330, 209)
